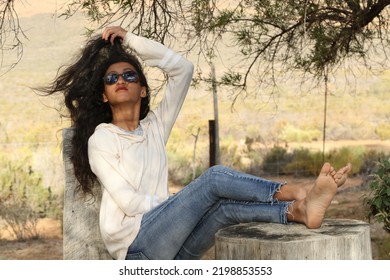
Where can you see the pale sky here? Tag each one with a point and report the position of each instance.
(27, 8)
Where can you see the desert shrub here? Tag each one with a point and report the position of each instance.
(293, 134)
(228, 149)
(276, 160)
(354, 155)
(378, 199)
(304, 163)
(249, 157)
(383, 131)
(370, 159)
(20, 219)
(179, 168)
(255, 165)
(23, 197)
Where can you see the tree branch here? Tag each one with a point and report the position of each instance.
(11, 34)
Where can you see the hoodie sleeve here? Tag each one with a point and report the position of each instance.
(104, 161)
(178, 69)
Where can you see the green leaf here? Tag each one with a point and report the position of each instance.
(378, 202)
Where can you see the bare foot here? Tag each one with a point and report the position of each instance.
(311, 210)
(288, 192)
(292, 192)
(342, 174)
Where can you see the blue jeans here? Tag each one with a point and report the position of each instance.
(183, 227)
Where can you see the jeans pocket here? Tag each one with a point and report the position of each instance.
(136, 256)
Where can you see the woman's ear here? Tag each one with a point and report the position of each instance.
(105, 99)
(144, 93)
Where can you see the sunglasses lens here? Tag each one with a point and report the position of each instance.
(130, 76)
(111, 78)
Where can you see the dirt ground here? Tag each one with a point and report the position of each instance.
(47, 247)
(347, 204)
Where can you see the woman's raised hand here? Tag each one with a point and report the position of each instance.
(112, 32)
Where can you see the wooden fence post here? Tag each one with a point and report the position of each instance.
(336, 239)
(81, 234)
(212, 143)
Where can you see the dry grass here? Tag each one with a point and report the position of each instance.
(347, 204)
(26, 122)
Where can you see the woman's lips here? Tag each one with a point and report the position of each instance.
(120, 88)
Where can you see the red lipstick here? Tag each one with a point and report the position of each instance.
(120, 88)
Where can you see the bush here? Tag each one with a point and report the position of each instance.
(23, 198)
(383, 131)
(247, 156)
(276, 160)
(354, 155)
(21, 220)
(300, 162)
(378, 199)
(293, 134)
(370, 159)
(304, 163)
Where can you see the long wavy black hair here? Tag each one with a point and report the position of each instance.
(82, 85)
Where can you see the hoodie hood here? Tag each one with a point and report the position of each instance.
(121, 133)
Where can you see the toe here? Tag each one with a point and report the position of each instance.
(326, 168)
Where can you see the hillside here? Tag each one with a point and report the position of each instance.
(30, 126)
(292, 116)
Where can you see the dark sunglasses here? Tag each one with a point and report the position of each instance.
(129, 76)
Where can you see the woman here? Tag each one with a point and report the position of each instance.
(120, 143)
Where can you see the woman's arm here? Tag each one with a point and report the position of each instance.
(178, 69)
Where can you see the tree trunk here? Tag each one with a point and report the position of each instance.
(81, 234)
(334, 240)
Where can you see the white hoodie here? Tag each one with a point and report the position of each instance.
(133, 169)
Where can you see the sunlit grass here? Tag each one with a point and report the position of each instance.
(292, 115)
